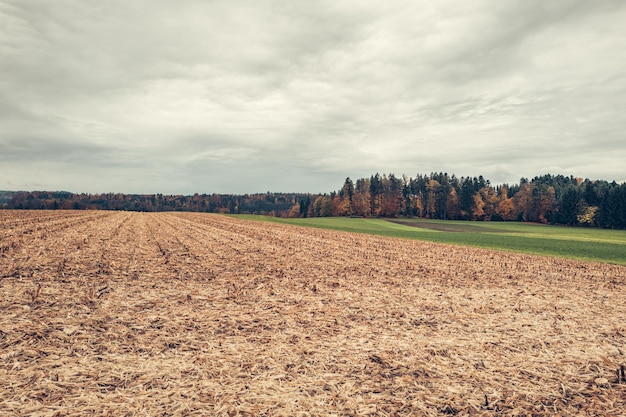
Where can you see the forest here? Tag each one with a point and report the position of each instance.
(548, 199)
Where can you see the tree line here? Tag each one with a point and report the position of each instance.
(550, 199)
(273, 204)
(553, 199)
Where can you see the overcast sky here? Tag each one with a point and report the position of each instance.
(230, 96)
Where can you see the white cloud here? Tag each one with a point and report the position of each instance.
(205, 96)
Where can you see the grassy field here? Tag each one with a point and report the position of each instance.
(564, 242)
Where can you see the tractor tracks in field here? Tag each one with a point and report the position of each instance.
(26, 230)
(42, 224)
(121, 313)
(232, 252)
(41, 248)
(250, 243)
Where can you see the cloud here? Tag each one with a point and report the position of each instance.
(238, 97)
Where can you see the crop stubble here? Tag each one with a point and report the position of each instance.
(117, 313)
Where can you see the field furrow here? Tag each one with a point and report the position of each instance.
(194, 314)
(41, 227)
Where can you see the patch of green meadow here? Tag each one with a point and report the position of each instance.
(588, 244)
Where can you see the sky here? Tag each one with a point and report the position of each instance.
(157, 96)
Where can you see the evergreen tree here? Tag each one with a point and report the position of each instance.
(568, 205)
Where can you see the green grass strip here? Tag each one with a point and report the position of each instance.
(587, 244)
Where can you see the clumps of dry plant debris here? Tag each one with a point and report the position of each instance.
(113, 313)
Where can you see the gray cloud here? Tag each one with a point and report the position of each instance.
(224, 96)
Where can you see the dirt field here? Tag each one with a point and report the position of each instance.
(130, 314)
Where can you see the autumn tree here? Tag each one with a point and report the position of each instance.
(587, 215)
(545, 202)
(452, 204)
(505, 209)
(478, 207)
(391, 196)
(487, 198)
(322, 206)
(361, 198)
(522, 200)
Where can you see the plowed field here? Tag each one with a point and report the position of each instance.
(129, 314)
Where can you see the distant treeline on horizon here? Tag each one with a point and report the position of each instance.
(549, 199)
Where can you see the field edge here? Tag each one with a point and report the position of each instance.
(533, 242)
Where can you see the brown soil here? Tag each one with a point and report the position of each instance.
(452, 227)
(120, 314)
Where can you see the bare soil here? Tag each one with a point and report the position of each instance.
(128, 314)
(451, 227)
